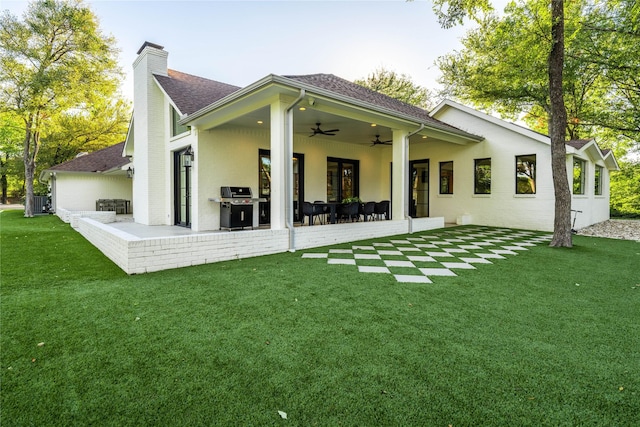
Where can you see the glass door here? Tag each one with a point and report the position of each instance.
(419, 188)
(342, 179)
(264, 185)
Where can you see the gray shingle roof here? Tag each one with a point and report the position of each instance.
(97, 161)
(344, 87)
(578, 143)
(191, 93)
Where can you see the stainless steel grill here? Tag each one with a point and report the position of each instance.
(236, 207)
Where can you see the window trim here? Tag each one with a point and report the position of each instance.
(175, 127)
(448, 185)
(598, 175)
(475, 176)
(582, 177)
(534, 178)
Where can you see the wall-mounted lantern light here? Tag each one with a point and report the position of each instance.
(130, 172)
(188, 157)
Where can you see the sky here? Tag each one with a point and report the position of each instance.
(240, 42)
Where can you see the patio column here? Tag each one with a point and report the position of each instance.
(278, 165)
(399, 203)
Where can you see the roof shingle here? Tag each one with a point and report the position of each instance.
(191, 93)
(344, 87)
(98, 161)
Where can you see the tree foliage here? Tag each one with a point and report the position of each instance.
(398, 86)
(503, 67)
(11, 134)
(55, 67)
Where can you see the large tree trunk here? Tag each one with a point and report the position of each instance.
(557, 131)
(31, 146)
(3, 180)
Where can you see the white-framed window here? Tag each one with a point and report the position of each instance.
(176, 127)
(446, 177)
(598, 174)
(579, 176)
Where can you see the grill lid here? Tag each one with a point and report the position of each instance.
(235, 192)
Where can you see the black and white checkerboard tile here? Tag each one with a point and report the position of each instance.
(418, 259)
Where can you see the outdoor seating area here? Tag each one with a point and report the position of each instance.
(119, 206)
(321, 212)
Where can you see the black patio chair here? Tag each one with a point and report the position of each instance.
(368, 211)
(312, 212)
(349, 211)
(381, 209)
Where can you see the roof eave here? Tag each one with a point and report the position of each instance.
(316, 91)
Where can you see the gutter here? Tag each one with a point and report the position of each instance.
(406, 203)
(288, 142)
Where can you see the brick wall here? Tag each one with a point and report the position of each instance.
(142, 255)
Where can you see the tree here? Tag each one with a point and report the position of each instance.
(398, 86)
(546, 30)
(54, 62)
(10, 142)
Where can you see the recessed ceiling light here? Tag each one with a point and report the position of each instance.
(373, 125)
(302, 109)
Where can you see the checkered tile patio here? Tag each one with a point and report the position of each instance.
(420, 258)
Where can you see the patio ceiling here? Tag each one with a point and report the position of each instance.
(352, 131)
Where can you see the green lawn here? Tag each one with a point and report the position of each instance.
(548, 337)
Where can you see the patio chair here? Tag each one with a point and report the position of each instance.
(349, 211)
(312, 212)
(368, 211)
(381, 210)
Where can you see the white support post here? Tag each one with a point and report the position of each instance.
(278, 166)
(399, 204)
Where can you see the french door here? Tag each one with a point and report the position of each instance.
(419, 188)
(264, 186)
(342, 179)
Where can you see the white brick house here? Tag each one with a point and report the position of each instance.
(304, 138)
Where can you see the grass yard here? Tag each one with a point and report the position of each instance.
(547, 337)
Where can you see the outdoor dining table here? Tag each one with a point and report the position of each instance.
(333, 208)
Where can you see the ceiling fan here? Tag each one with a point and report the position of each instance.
(317, 130)
(378, 142)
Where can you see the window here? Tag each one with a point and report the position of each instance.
(579, 174)
(526, 174)
(446, 177)
(482, 176)
(342, 179)
(176, 128)
(598, 177)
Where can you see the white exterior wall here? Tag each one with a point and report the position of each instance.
(231, 158)
(593, 208)
(79, 192)
(502, 208)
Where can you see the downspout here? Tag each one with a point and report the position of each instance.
(288, 142)
(406, 203)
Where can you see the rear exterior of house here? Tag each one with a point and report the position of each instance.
(292, 139)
